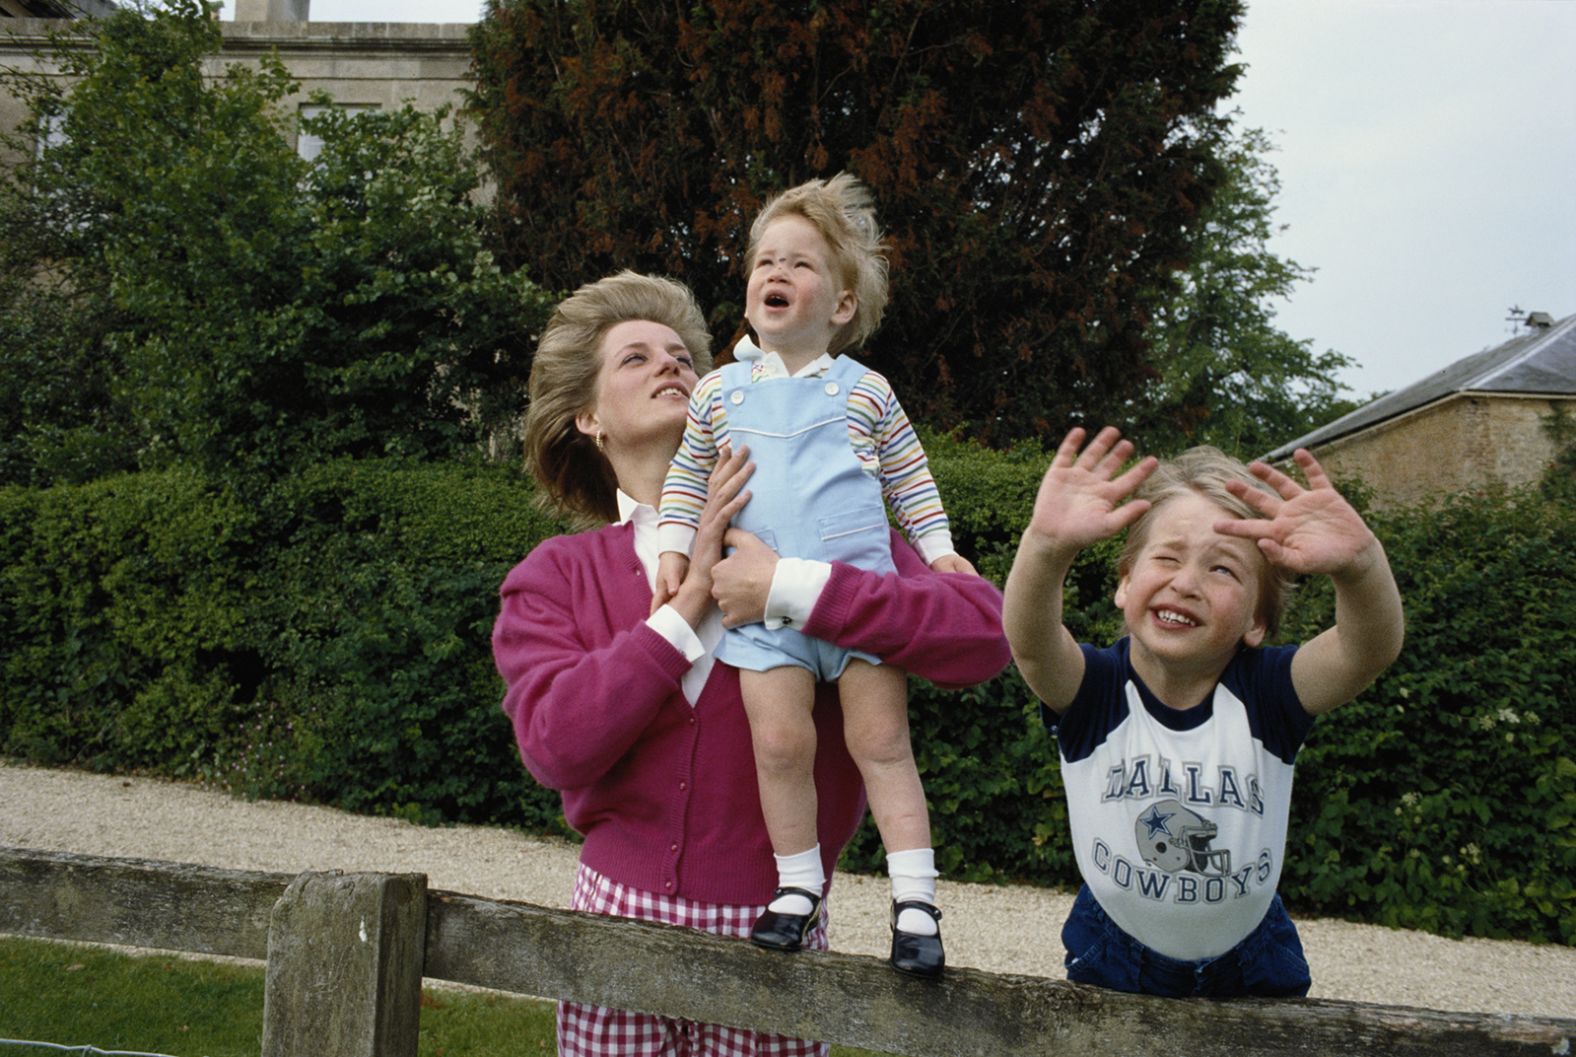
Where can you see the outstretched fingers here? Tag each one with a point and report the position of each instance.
(1106, 453)
(1103, 456)
(1068, 450)
(1134, 476)
(1260, 501)
(1081, 498)
(1311, 469)
(1126, 515)
(1281, 482)
(1267, 506)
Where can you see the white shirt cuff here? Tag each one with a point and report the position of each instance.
(933, 545)
(673, 537)
(667, 623)
(796, 588)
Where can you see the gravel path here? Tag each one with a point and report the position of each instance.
(1003, 929)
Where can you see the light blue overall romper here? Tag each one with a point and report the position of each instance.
(809, 498)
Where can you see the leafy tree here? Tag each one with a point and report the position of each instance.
(184, 288)
(1038, 166)
(143, 146)
(1227, 375)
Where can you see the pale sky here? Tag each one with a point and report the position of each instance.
(1427, 156)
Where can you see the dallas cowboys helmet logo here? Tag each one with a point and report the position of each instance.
(1175, 838)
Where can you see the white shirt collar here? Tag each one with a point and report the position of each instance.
(772, 366)
(643, 519)
(630, 508)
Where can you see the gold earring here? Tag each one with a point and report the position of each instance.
(601, 445)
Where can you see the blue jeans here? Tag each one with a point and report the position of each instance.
(1268, 963)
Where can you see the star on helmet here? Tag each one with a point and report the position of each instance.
(1157, 822)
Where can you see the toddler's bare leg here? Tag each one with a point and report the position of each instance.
(875, 725)
(779, 705)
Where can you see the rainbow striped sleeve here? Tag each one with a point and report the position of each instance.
(685, 489)
(910, 490)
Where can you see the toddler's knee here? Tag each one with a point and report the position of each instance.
(880, 745)
(784, 747)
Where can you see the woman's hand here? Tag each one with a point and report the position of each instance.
(741, 582)
(725, 497)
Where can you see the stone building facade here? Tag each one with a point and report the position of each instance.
(1458, 445)
(380, 65)
(1481, 422)
(376, 65)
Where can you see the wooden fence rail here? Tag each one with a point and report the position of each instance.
(346, 954)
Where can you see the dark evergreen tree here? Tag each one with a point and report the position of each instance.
(1038, 167)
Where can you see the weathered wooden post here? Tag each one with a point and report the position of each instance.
(345, 957)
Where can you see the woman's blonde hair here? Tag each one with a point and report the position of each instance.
(844, 212)
(1205, 470)
(575, 478)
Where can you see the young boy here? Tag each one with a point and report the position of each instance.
(829, 440)
(1177, 743)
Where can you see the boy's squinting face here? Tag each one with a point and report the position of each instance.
(793, 298)
(1192, 596)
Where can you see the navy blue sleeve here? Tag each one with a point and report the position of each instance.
(1262, 680)
(1098, 707)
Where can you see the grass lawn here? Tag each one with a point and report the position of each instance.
(76, 996)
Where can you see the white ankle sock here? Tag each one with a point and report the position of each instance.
(801, 870)
(914, 876)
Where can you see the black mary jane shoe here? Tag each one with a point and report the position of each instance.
(779, 931)
(914, 954)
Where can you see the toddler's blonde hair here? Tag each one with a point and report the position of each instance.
(844, 212)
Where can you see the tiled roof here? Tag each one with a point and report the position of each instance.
(1539, 363)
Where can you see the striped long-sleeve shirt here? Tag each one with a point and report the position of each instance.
(879, 432)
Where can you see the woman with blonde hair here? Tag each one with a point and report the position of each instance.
(622, 709)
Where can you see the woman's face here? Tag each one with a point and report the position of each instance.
(642, 389)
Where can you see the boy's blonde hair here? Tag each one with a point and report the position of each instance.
(575, 477)
(844, 212)
(1205, 470)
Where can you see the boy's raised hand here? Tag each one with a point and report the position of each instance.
(1080, 500)
(1311, 530)
(1315, 530)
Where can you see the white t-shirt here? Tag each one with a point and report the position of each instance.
(1178, 817)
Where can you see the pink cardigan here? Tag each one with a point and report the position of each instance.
(664, 793)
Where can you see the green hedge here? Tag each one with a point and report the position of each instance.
(382, 594)
(121, 599)
(328, 641)
(325, 641)
(1444, 797)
